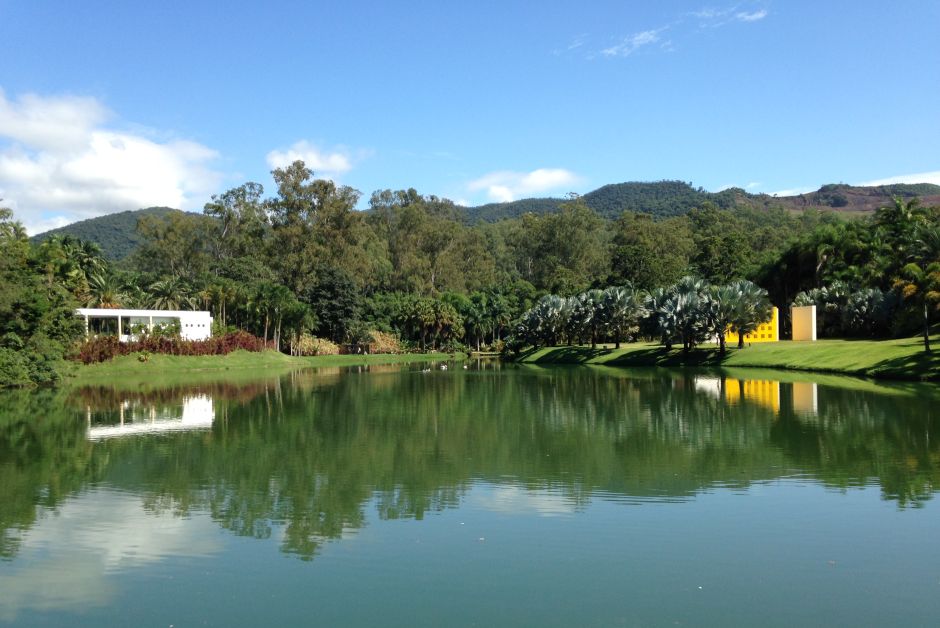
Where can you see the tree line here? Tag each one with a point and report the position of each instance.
(305, 262)
(689, 312)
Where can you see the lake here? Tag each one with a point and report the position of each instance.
(495, 495)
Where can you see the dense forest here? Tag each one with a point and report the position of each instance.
(116, 234)
(304, 270)
(118, 237)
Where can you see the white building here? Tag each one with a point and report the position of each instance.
(120, 323)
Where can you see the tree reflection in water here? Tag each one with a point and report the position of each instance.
(308, 453)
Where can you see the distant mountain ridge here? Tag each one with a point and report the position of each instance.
(664, 199)
(117, 233)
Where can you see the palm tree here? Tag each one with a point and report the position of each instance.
(105, 290)
(690, 304)
(499, 313)
(922, 284)
(592, 313)
(624, 307)
(723, 303)
(422, 317)
(572, 319)
(447, 322)
(171, 293)
(928, 242)
(751, 309)
(476, 316)
(547, 319)
(663, 320)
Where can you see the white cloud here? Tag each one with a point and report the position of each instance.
(711, 17)
(60, 163)
(325, 164)
(744, 16)
(504, 186)
(633, 43)
(748, 186)
(793, 191)
(923, 177)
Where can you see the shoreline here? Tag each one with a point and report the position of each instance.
(237, 363)
(899, 360)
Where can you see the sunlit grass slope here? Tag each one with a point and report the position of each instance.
(896, 359)
(238, 362)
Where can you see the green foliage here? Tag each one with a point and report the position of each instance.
(37, 320)
(335, 302)
(116, 234)
(564, 252)
(721, 251)
(647, 253)
(305, 261)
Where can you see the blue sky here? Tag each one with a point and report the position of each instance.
(108, 106)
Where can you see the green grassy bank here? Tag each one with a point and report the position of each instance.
(903, 359)
(241, 364)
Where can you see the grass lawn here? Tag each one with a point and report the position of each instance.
(894, 359)
(240, 364)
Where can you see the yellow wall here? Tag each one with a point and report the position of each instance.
(804, 322)
(768, 332)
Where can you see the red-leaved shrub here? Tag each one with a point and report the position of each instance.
(107, 348)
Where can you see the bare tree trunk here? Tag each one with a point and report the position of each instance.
(926, 327)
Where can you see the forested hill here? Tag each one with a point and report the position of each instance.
(116, 234)
(673, 198)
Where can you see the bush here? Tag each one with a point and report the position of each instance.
(106, 348)
(311, 345)
(14, 368)
(384, 343)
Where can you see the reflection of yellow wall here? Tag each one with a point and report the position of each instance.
(767, 332)
(805, 397)
(763, 392)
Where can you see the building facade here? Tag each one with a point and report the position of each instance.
(766, 332)
(127, 324)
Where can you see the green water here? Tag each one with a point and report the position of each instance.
(486, 496)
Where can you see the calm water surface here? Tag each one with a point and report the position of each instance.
(491, 496)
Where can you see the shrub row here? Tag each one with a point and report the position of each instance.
(106, 348)
(311, 345)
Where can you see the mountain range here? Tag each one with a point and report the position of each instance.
(117, 235)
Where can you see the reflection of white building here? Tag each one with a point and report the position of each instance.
(193, 325)
(197, 414)
(710, 385)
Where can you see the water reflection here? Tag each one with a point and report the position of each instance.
(304, 459)
(134, 417)
(76, 547)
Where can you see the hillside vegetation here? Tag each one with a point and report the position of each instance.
(664, 199)
(303, 266)
(116, 234)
